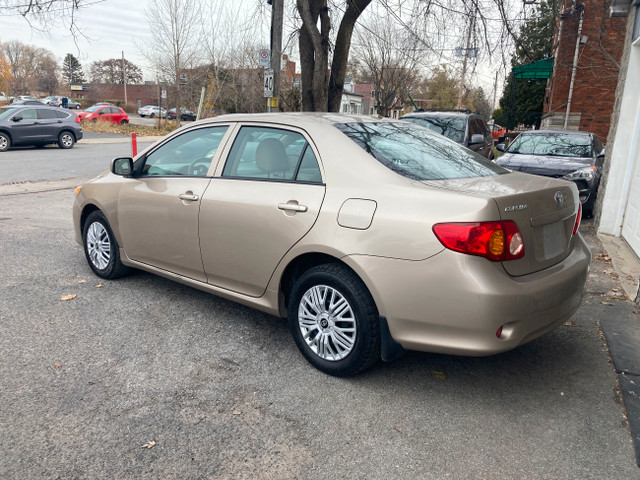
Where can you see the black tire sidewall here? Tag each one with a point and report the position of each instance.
(4, 135)
(367, 330)
(109, 271)
(62, 145)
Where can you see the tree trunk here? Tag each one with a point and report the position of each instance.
(341, 53)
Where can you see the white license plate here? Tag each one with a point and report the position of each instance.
(553, 238)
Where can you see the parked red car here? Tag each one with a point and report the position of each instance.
(496, 131)
(104, 113)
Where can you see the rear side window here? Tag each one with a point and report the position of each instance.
(272, 154)
(415, 152)
(451, 127)
(62, 113)
(44, 113)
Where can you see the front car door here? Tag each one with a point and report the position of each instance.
(265, 198)
(25, 127)
(158, 208)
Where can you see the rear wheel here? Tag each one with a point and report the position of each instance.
(66, 140)
(5, 142)
(334, 321)
(101, 247)
(124, 122)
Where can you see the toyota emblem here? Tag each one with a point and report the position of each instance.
(559, 198)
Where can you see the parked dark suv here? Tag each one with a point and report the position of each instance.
(463, 127)
(38, 125)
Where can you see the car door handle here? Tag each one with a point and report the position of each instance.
(188, 196)
(292, 207)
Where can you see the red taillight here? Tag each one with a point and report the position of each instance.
(77, 119)
(578, 219)
(497, 241)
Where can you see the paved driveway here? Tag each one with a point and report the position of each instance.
(217, 390)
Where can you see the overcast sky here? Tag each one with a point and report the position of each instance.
(113, 26)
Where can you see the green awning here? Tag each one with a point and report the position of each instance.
(541, 69)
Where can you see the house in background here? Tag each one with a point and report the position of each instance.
(620, 191)
(588, 45)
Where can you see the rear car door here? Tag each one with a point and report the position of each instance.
(50, 123)
(263, 200)
(158, 208)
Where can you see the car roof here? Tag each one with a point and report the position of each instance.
(439, 113)
(297, 119)
(556, 132)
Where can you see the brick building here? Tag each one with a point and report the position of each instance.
(137, 95)
(584, 31)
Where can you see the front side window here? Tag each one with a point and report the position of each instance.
(187, 154)
(272, 154)
(552, 144)
(6, 112)
(28, 114)
(417, 153)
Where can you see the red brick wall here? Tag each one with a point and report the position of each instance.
(147, 94)
(598, 66)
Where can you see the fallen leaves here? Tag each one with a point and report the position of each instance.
(603, 257)
(608, 304)
(439, 375)
(57, 365)
(99, 285)
(66, 298)
(237, 412)
(149, 444)
(569, 324)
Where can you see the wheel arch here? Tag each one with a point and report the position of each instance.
(7, 133)
(73, 134)
(300, 264)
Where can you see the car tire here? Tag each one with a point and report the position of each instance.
(5, 142)
(349, 342)
(78, 107)
(124, 122)
(66, 140)
(101, 247)
(152, 115)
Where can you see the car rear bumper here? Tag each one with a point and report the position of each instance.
(453, 303)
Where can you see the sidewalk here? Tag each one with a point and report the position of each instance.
(609, 289)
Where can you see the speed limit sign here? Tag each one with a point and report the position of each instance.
(268, 83)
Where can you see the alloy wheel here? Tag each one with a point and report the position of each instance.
(98, 245)
(327, 322)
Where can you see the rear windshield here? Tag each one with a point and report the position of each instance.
(416, 152)
(450, 127)
(552, 144)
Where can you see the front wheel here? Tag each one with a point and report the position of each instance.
(5, 142)
(78, 107)
(101, 247)
(334, 321)
(66, 140)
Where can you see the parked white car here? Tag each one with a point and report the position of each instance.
(152, 111)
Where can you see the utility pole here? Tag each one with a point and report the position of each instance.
(466, 56)
(495, 91)
(277, 8)
(124, 79)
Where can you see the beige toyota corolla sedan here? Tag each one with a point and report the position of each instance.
(371, 236)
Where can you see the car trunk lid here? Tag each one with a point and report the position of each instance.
(544, 209)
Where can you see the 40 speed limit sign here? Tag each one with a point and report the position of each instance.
(268, 83)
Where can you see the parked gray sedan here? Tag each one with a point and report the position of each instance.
(38, 126)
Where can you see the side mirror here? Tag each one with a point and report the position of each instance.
(122, 166)
(100, 112)
(601, 154)
(17, 118)
(500, 147)
(476, 138)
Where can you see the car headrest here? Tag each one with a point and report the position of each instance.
(271, 156)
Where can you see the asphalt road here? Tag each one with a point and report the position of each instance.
(223, 392)
(86, 159)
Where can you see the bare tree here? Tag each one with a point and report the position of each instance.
(175, 48)
(388, 57)
(322, 91)
(32, 67)
(110, 71)
(42, 13)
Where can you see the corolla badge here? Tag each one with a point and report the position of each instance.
(559, 198)
(513, 208)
